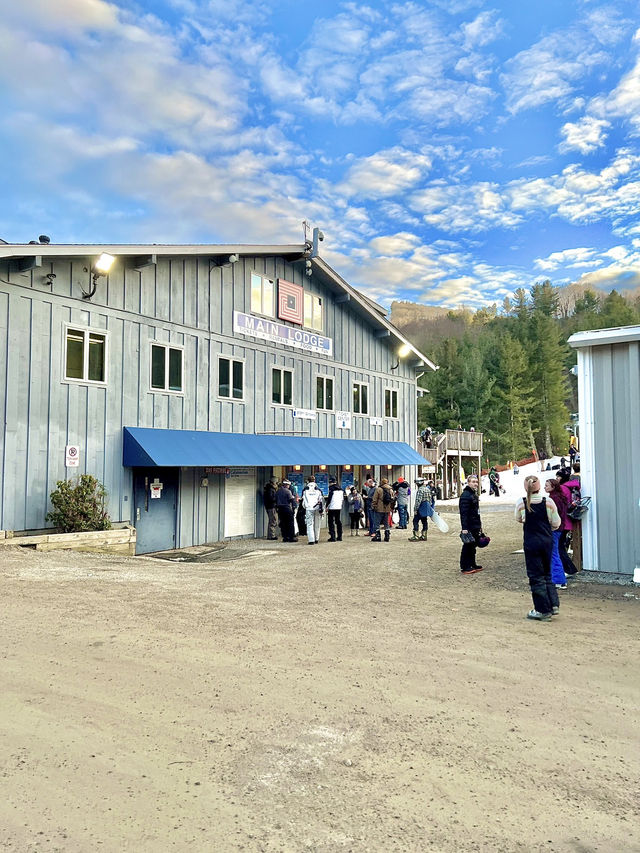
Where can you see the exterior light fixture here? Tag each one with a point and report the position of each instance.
(100, 267)
(347, 467)
(323, 467)
(297, 467)
(403, 352)
(389, 467)
(367, 467)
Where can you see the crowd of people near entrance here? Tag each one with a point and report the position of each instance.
(373, 510)
(549, 512)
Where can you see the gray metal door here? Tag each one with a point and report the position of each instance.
(155, 502)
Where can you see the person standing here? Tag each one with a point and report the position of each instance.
(370, 486)
(539, 516)
(285, 505)
(312, 501)
(355, 509)
(422, 510)
(468, 506)
(570, 487)
(269, 498)
(402, 490)
(494, 482)
(558, 575)
(335, 501)
(382, 506)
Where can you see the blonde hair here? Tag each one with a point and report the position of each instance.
(528, 484)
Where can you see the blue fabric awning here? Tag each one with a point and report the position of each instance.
(169, 448)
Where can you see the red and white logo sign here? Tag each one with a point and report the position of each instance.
(72, 456)
(290, 302)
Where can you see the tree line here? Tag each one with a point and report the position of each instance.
(506, 371)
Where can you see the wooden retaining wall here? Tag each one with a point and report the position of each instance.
(120, 540)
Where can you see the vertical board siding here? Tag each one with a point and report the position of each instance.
(188, 302)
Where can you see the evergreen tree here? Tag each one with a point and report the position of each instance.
(514, 400)
(549, 385)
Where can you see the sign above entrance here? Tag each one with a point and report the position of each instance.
(305, 414)
(376, 421)
(343, 420)
(269, 330)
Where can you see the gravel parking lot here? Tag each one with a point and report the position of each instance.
(276, 697)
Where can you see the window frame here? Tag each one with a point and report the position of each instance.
(87, 331)
(231, 359)
(324, 377)
(393, 393)
(262, 278)
(166, 389)
(312, 297)
(281, 368)
(361, 385)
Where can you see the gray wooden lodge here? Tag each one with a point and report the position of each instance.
(127, 373)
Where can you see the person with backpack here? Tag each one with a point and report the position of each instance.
(423, 508)
(539, 517)
(402, 490)
(382, 505)
(354, 501)
(335, 500)
(313, 503)
(269, 499)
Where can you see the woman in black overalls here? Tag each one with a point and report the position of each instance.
(534, 513)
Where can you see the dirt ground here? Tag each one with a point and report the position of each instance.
(336, 698)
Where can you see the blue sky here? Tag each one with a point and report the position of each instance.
(451, 151)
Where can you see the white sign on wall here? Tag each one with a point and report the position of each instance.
(343, 420)
(376, 421)
(305, 414)
(72, 456)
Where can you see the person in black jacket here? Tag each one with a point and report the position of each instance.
(470, 523)
(269, 497)
(286, 504)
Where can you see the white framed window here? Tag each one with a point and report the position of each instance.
(360, 404)
(324, 392)
(281, 386)
(313, 318)
(262, 295)
(85, 356)
(167, 368)
(230, 378)
(390, 403)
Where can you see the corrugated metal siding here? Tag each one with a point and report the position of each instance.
(180, 301)
(616, 383)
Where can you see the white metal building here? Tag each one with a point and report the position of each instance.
(609, 403)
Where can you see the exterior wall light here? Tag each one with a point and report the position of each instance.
(323, 467)
(403, 352)
(100, 267)
(297, 467)
(347, 467)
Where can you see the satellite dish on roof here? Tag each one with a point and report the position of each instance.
(44, 239)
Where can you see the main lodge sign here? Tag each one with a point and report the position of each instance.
(268, 330)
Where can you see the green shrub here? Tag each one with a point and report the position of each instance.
(78, 505)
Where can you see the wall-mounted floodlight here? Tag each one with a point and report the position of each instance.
(101, 267)
(308, 267)
(403, 352)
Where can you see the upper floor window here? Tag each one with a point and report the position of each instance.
(262, 295)
(230, 378)
(313, 312)
(85, 355)
(390, 403)
(360, 398)
(166, 368)
(324, 392)
(282, 386)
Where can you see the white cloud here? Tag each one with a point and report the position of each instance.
(385, 174)
(585, 135)
(580, 257)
